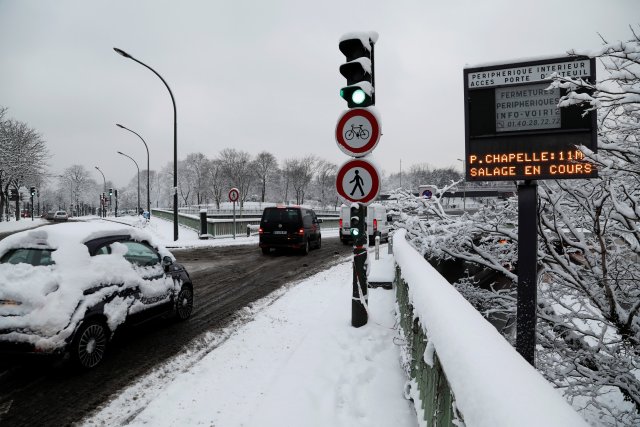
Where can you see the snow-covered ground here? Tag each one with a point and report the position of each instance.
(23, 224)
(291, 359)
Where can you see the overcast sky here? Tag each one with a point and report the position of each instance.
(263, 74)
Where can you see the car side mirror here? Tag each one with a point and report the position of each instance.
(319, 220)
(166, 262)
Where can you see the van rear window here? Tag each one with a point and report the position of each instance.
(281, 215)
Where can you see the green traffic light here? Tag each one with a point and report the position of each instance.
(358, 96)
(355, 232)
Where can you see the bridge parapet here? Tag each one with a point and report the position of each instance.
(461, 369)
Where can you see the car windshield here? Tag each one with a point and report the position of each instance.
(61, 213)
(34, 257)
(281, 215)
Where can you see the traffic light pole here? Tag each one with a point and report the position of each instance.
(31, 206)
(359, 299)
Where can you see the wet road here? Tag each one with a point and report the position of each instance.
(50, 393)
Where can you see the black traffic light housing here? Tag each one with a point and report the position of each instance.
(359, 69)
(32, 191)
(110, 192)
(354, 221)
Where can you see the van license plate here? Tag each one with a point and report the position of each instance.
(279, 232)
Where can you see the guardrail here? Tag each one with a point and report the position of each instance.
(224, 227)
(195, 210)
(461, 369)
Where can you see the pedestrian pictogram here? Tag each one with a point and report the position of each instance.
(358, 131)
(358, 181)
(234, 194)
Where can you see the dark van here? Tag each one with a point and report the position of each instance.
(289, 227)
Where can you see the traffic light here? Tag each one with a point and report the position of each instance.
(116, 191)
(110, 192)
(359, 69)
(33, 191)
(354, 221)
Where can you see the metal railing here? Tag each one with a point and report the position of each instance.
(224, 227)
(195, 210)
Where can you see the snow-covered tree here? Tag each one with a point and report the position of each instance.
(588, 329)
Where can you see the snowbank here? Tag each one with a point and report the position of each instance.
(493, 385)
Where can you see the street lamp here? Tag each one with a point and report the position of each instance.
(464, 189)
(175, 141)
(136, 163)
(104, 181)
(147, 147)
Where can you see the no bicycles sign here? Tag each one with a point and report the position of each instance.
(358, 131)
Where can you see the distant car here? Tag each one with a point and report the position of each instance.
(68, 288)
(289, 227)
(60, 216)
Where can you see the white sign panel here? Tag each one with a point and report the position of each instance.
(528, 74)
(527, 108)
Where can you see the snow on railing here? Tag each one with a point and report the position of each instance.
(490, 383)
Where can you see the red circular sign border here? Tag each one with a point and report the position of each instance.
(234, 190)
(375, 131)
(359, 163)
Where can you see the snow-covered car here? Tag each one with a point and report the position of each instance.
(60, 216)
(67, 288)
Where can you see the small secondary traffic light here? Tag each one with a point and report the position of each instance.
(110, 192)
(33, 191)
(359, 69)
(354, 221)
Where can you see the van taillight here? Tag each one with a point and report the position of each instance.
(375, 224)
(260, 230)
(301, 232)
(340, 223)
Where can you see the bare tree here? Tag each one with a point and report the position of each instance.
(23, 156)
(265, 165)
(325, 180)
(238, 170)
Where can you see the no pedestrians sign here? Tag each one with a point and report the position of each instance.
(358, 181)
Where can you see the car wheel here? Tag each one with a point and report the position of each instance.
(90, 344)
(266, 251)
(305, 248)
(184, 303)
(319, 245)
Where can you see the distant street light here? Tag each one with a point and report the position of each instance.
(147, 147)
(104, 191)
(464, 189)
(175, 141)
(136, 163)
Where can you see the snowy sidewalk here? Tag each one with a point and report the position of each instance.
(298, 362)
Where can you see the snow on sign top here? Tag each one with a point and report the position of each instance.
(364, 37)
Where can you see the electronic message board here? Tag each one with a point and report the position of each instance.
(514, 129)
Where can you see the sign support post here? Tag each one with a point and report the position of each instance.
(360, 298)
(234, 195)
(527, 270)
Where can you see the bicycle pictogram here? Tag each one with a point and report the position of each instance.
(358, 131)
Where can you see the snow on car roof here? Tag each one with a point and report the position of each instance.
(56, 235)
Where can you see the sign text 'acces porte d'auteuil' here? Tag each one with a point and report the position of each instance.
(514, 129)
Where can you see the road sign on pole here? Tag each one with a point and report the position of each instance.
(358, 181)
(358, 131)
(234, 194)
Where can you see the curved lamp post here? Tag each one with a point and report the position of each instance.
(104, 181)
(147, 147)
(175, 141)
(136, 163)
